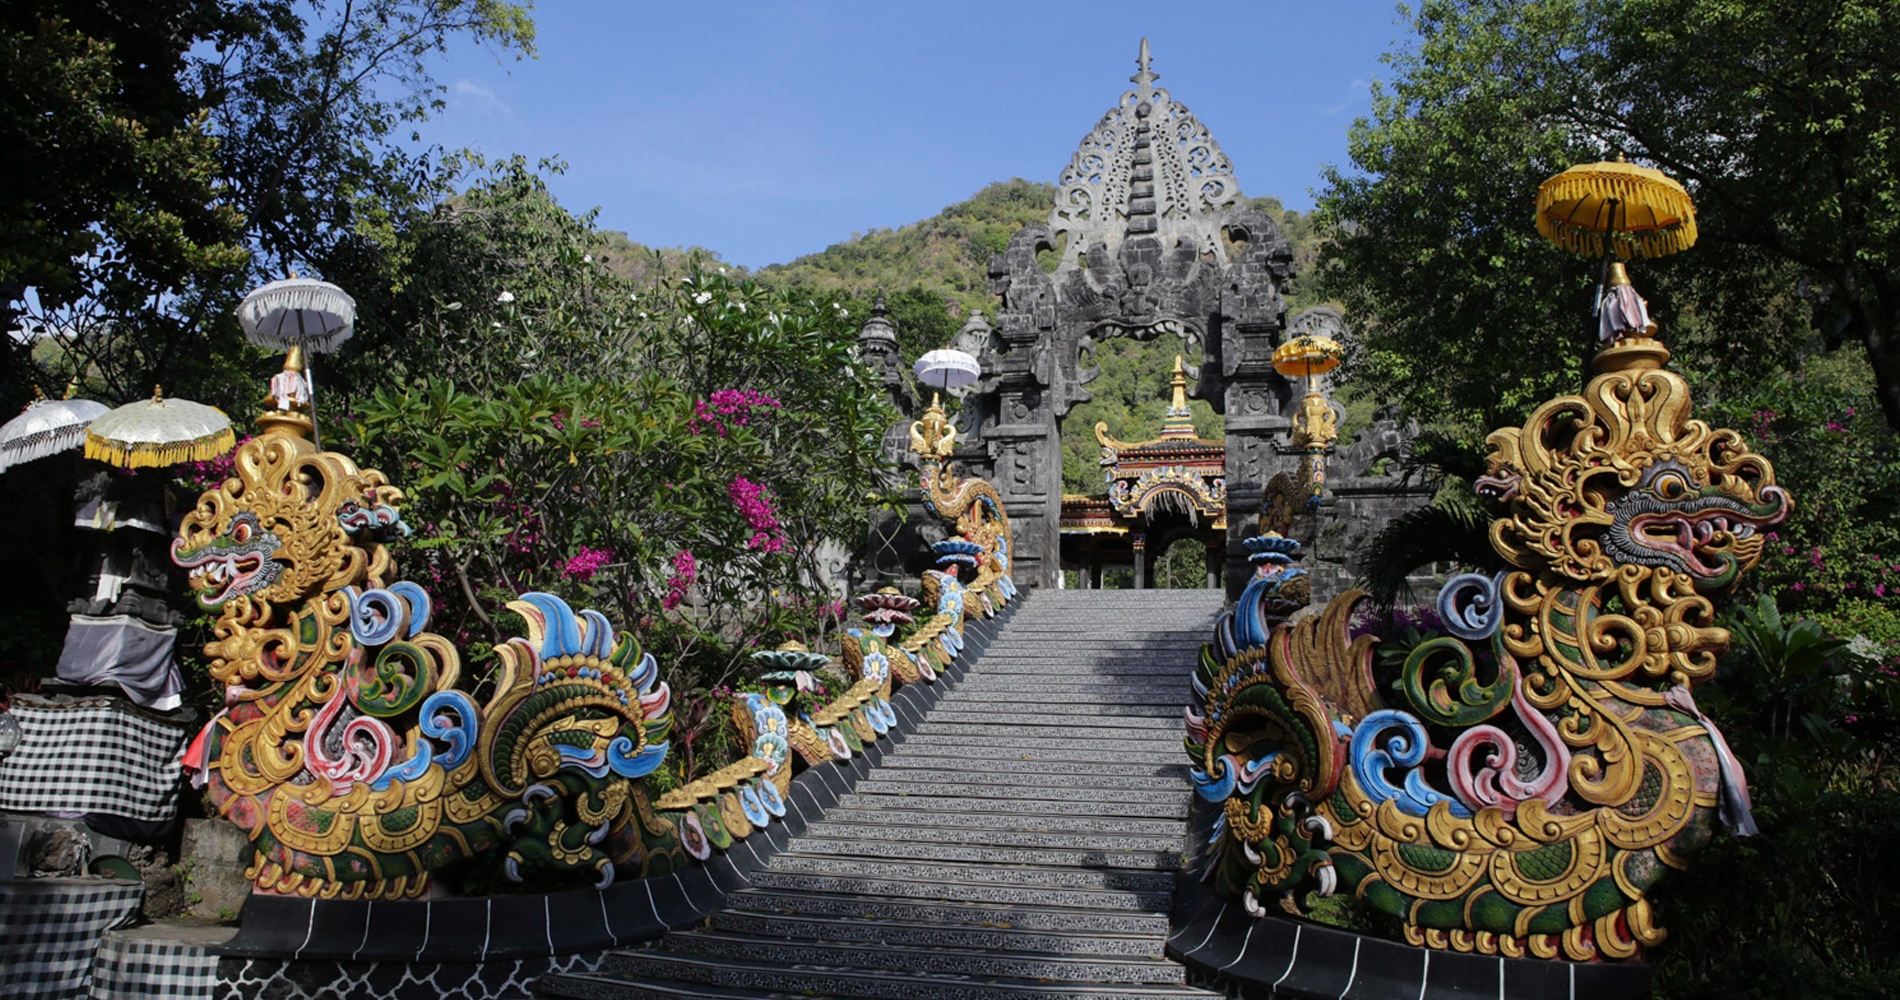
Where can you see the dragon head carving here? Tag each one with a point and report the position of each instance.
(290, 524)
(1620, 484)
(1619, 490)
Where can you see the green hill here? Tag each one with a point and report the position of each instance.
(935, 271)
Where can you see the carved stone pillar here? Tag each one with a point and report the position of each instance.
(1256, 432)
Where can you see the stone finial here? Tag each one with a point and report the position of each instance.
(877, 340)
(1148, 168)
(1145, 76)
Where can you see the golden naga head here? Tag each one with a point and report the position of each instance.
(291, 523)
(1620, 484)
(932, 438)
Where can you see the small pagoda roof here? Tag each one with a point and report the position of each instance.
(1177, 431)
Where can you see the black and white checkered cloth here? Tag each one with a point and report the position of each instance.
(135, 968)
(93, 755)
(50, 930)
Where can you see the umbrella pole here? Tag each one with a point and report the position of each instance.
(1609, 244)
(310, 383)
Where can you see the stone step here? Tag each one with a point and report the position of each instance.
(998, 935)
(1033, 689)
(898, 819)
(1007, 747)
(1021, 806)
(939, 959)
(1086, 719)
(869, 834)
(593, 986)
(1083, 635)
(1120, 628)
(1139, 694)
(1067, 653)
(1128, 622)
(899, 764)
(1040, 916)
(1010, 785)
(1069, 667)
(940, 746)
(962, 703)
(1131, 901)
(634, 969)
(1165, 859)
(1087, 652)
(987, 698)
(970, 873)
(1138, 737)
(1022, 842)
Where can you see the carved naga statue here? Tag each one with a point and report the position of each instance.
(975, 508)
(347, 750)
(1537, 767)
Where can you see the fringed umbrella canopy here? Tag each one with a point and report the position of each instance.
(159, 431)
(298, 312)
(947, 369)
(46, 427)
(1309, 356)
(1643, 212)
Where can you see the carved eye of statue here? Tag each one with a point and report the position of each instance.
(1671, 486)
(241, 532)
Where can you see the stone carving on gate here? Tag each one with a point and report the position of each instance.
(1155, 239)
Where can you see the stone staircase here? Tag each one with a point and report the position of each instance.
(1021, 843)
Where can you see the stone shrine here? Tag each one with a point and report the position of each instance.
(1153, 238)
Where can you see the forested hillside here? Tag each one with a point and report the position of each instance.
(934, 272)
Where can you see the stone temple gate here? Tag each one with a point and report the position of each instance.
(1153, 238)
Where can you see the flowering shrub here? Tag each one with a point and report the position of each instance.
(1837, 558)
(586, 563)
(621, 458)
(756, 506)
(685, 572)
(211, 473)
(725, 406)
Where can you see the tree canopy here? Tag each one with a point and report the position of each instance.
(1781, 117)
(172, 154)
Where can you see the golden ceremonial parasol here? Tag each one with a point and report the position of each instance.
(1307, 355)
(1616, 209)
(159, 431)
(1639, 211)
(1315, 428)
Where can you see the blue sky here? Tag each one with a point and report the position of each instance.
(767, 131)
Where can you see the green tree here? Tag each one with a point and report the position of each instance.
(1780, 116)
(110, 190)
(199, 148)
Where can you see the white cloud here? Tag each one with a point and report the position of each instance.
(1356, 91)
(482, 99)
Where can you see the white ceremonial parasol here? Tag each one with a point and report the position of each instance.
(295, 313)
(298, 312)
(159, 431)
(46, 427)
(947, 369)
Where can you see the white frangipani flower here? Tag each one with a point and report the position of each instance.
(702, 298)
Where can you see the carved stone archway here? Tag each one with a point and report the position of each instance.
(1154, 238)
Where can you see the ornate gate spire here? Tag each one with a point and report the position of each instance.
(1148, 166)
